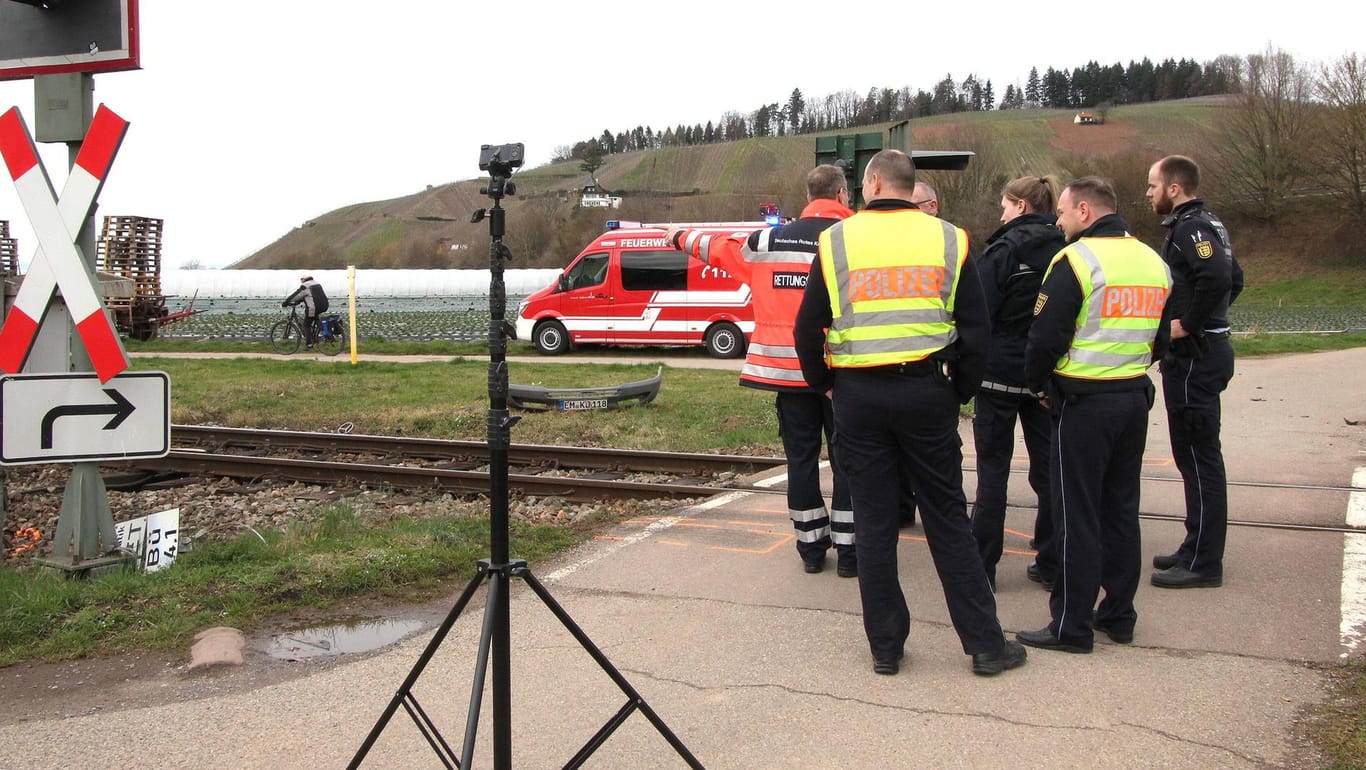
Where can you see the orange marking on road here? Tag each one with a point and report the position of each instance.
(662, 541)
(1024, 535)
(759, 551)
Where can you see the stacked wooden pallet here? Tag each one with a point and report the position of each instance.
(131, 247)
(9, 251)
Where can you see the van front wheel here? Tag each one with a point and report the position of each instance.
(724, 340)
(551, 338)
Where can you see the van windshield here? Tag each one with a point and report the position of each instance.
(589, 271)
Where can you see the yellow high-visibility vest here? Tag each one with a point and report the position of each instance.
(1125, 285)
(892, 277)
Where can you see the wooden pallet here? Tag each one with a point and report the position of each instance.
(9, 250)
(131, 247)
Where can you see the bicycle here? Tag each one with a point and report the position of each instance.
(329, 333)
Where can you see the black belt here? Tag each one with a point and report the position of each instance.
(921, 368)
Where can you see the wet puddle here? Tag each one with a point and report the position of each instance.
(340, 639)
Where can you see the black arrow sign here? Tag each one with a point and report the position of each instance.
(119, 408)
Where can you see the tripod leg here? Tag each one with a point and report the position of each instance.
(404, 692)
(635, 700)
(497, 585)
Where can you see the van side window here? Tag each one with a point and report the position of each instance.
(654, 270)
(589, 271)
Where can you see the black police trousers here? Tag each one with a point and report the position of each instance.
(1191, 388)
(888, 422)
(802, 419)
(1097, 456)
(993, 431)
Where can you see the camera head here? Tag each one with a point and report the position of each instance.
(501, 159)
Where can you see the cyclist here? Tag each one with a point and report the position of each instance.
(314, 299)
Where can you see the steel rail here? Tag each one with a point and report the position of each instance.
(698, 464)
(412, 477)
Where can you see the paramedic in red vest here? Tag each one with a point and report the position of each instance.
(894, 323)
(311, 294)
(1099, 324)
(775, 262)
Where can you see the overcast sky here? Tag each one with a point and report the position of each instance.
(250, 118)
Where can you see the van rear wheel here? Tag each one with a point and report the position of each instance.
(724, 340)
(551, 338)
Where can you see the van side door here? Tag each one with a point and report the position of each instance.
(651, 307)
(586, 298)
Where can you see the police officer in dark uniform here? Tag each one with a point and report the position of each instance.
(1012, 267)
(1098, 326)
(894, 323)
(1206, 279)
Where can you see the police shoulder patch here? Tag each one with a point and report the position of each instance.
(1039, 303)
(1204, 249)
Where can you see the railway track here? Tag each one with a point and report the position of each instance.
(259, 454)
(449, 466)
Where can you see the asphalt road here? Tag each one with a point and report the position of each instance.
(752, 663)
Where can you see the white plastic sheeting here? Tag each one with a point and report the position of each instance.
(369, 283)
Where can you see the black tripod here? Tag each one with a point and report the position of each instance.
(499, 570)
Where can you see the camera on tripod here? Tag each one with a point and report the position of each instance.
(501, 159)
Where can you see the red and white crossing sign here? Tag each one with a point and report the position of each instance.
(56, 223)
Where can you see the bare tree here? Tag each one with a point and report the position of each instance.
(1260, 141)
(846, 106)
(971, 198)
(1341, 135)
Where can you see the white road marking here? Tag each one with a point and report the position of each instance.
(1353, 625)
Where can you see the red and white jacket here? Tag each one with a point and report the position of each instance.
(774, 262)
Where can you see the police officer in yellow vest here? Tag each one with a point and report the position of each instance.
(1099, 323)
(895, 322)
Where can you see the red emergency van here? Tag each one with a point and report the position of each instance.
(628, 287)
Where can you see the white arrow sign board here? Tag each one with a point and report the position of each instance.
(46, 418)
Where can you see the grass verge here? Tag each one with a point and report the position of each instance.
(242, 582)
(1338, 727)
(1276, 344)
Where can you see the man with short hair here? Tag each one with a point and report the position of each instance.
(1206, 279)
(775, 262)
(894, 323)
(925, 199)
(1098, 326)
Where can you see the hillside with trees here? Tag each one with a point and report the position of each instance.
(1284, 157)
